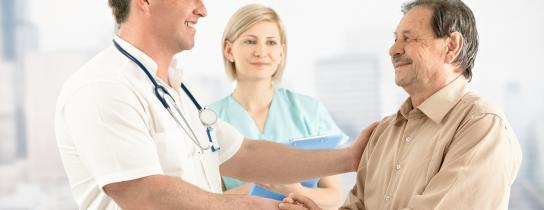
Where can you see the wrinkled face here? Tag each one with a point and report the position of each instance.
(257, 53)
(418, 57)
(174, 20)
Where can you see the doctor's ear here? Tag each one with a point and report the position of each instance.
(142, 5)
(455, 44)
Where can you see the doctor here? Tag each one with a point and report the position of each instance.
(131, 136)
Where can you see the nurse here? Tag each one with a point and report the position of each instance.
(254, 52)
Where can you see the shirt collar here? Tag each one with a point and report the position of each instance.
(141, 56)
(440, 103)
(405, 109)
(174, 70)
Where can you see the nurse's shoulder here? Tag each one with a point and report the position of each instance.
(221, 106)
(298, 101)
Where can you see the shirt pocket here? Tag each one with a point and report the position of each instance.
(174, 151)
(437, 157)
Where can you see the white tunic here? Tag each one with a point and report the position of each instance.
(111, 127)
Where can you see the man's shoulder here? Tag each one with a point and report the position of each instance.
(386, 122)
(104, 68)
(106, 65)
(474, 105)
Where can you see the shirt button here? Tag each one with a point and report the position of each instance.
(408, 139)
(397, 167)
(387, 197)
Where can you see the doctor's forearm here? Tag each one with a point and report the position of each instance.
(267, 162)
(166, 192)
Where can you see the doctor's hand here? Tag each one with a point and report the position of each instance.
(298, 202)
(360, 143)
(283, 188)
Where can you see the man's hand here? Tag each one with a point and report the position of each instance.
(298, 202)
(283, 188)
(360, 143)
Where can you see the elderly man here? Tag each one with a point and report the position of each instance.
(446, 148)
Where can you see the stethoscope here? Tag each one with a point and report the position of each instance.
(207, 116)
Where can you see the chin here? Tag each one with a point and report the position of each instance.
(186, 46)
(400, 82)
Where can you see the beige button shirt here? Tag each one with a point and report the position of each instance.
(454, 151)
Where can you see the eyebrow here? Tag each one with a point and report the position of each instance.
(253, 36)
(405, 32)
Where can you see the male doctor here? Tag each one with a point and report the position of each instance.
(132, 137)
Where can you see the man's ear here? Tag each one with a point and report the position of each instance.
(455, 44)
(141, 5)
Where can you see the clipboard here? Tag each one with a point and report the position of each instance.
(332, 141)
(307, 143)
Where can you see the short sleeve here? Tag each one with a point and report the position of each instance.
(229, 139)
(107, 124)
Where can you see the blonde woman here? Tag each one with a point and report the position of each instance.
(254, 52)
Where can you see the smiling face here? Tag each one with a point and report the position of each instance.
(257, 52)
(417, 55)
(173, 21)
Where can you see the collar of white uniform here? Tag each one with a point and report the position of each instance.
(174, 70)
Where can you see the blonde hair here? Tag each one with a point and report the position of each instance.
(244, 19)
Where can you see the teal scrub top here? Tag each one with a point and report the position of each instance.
(290, 115)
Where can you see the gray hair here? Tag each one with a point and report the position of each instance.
(453, 16)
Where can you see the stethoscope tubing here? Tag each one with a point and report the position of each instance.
(159, 88)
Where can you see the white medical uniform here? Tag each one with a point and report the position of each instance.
(111, 127)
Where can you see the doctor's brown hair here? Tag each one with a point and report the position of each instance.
(120, 10)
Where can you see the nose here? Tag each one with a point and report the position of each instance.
(201, 9)
(259, 50)
(396, 49)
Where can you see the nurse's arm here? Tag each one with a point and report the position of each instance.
(167, 192)
(268, 162)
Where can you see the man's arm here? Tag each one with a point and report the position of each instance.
(478, 168)
(268, 162)
(166, 192)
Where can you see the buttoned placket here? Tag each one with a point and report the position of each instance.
(404, 145)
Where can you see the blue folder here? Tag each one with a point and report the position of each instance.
(307, 143)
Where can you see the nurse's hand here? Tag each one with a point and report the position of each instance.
(360, 143)
(283, 188)
(298, 202)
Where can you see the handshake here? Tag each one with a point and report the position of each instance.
(298, 202)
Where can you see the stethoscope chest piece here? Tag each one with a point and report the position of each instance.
(208, 117)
